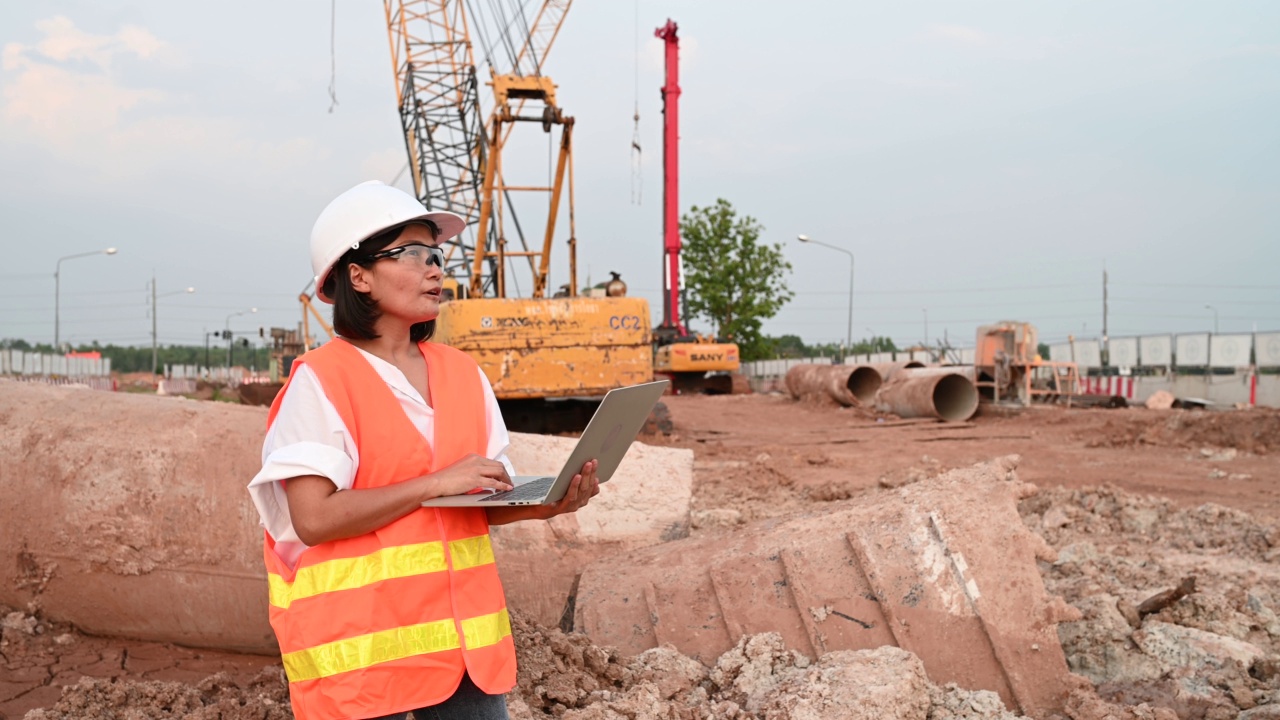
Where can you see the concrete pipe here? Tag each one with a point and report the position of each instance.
(846, 384)
(888, 370)
(948, 396)
(127, 516)
(966, 371)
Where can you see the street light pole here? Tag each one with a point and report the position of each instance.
(57, 291)
(849, 331)
(155, 347)
(230, 341)
(1215, 317)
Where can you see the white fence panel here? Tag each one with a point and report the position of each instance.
(1230, 350)
(1088, 353)
(1267, 346)
(1060, 352)
(1193, 350)
(1155, 351)
(756, 368)
(1123, 352)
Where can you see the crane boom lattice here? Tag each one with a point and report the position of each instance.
(437, 95)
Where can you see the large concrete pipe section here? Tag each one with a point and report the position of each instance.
(127, 515)
(888, 370)
(845, 384)
(944, 568)
(929, 392)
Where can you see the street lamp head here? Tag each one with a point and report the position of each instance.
(110, 251)
(253, 310)
(802, 238)
(190, 290)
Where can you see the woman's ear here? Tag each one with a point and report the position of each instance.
(359, 278)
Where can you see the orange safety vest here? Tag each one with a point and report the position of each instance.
(389, 621)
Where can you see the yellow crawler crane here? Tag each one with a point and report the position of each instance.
(531, 348)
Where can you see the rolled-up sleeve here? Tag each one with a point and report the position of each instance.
(307, 437)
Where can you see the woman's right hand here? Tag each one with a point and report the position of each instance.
(470, 473)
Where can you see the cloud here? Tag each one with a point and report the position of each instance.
(53, 102)
(960, 34)
(65, 95)
(63, 42)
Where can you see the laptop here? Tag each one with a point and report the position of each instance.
(607, 438)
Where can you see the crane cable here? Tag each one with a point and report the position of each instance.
(637, 176)
(333, 56)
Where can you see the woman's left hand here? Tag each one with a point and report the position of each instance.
(585, 486)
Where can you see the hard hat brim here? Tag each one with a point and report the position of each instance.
(451, 225)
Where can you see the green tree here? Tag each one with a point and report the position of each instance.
(734, 281)
(876, 344)
(789, 346)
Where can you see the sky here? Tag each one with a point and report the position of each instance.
(982, 161)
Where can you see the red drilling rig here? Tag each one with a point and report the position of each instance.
(692, 362)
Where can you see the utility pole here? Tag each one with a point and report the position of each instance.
(155, 348)
(1104, 303)
(1105, 352)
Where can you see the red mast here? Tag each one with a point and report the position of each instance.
(671, 184)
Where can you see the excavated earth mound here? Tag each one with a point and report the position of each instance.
(1254, 431)
(1214, 653)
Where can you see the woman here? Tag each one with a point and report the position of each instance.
(382, 606)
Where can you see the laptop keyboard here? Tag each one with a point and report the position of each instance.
(534, 490)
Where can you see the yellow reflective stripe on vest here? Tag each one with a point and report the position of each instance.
(351, 573)
(486, 630)
(365, 650)
(471, 552)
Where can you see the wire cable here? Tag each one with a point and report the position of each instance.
(333, 55)
(637, 157)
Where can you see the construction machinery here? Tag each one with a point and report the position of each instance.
(1008, 367)
(693, 363)
(536, 347)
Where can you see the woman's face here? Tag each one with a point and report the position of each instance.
(404, 287)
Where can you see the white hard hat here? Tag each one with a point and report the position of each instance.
(362, 212)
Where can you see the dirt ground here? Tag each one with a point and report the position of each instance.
(1133, 501)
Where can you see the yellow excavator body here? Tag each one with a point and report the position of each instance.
(552, 347)
(700, 365)
(698, 357)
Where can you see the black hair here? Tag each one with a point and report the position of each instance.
(354, 312)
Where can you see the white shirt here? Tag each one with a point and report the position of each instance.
(308, 437)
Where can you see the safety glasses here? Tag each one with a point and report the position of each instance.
(414, 255)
